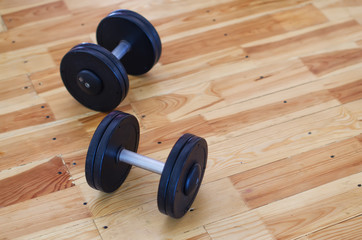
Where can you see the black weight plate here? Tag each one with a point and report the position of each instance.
(185, 156)
(148, 28)
(93, 145)
(122, 132)
(167, 170)
(83, 57)
(138, 31)
(194, 152)
(117, 63)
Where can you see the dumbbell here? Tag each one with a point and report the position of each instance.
(96, 75)
(112, 152)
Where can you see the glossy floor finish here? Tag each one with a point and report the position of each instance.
(275, 87)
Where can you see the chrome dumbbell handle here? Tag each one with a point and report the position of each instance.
(141, 161)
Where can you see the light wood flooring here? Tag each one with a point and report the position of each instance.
(275, 87)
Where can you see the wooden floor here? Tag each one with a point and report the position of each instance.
(275, 87)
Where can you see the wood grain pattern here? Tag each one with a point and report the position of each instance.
(35, 115)
(348, 230)
(325, 63)
(41, 180)
(306, 42)
(16, 86)
(237, 34)
(38, 13)
(24, 62)
(79, 229)
(299, 173)
(150, 223)
(274, 87)
(311, 210)
(250, 148)
(41, 144)
(348, 92)
(41, 213)
(242, 226)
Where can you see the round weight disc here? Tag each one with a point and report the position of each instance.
(111, 85)
(167, 170)
(121, 132)
(188, 157)
(107, 54)
(93, 145)
(133, 28)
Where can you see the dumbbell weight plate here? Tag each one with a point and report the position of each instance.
(112, 81)
(138, 31)
(182, 175)
(108, 172)
(122, 71)
(92, 149)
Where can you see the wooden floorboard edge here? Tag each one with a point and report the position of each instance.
(230, 22)
(328, 226)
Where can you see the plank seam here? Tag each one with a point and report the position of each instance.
(330, 225)
(231, 22)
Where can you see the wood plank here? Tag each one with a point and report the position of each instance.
(306, 42)
(140, 188)
(51, 210)
(181, 104)
(165, 137)
(230, 11)
(298, 15)
(342, 79)
(314, 209)
(8, 6)
(16, 86)
(75, 162)
(63, 104)
(38, 114)
(359, 42)
(175, 76)
(33, 14)
(59, 50)
(242, 149)
(2, 25)
(41, 143)
(271, 111)
(80, 229)
(240, 33)
(322, 64)
(28, 60)
(204, 99)
(50, 176)
(17, 93)
(91, 121)
(348, 92)
(151, 9)
(346, 230)
(262, 81)
(337, 10)
(146, 220)
(246, 226)
(290, 176)
(46, 80)
(80, 23)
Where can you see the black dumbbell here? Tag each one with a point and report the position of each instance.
(112, 152)
(96, 75)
